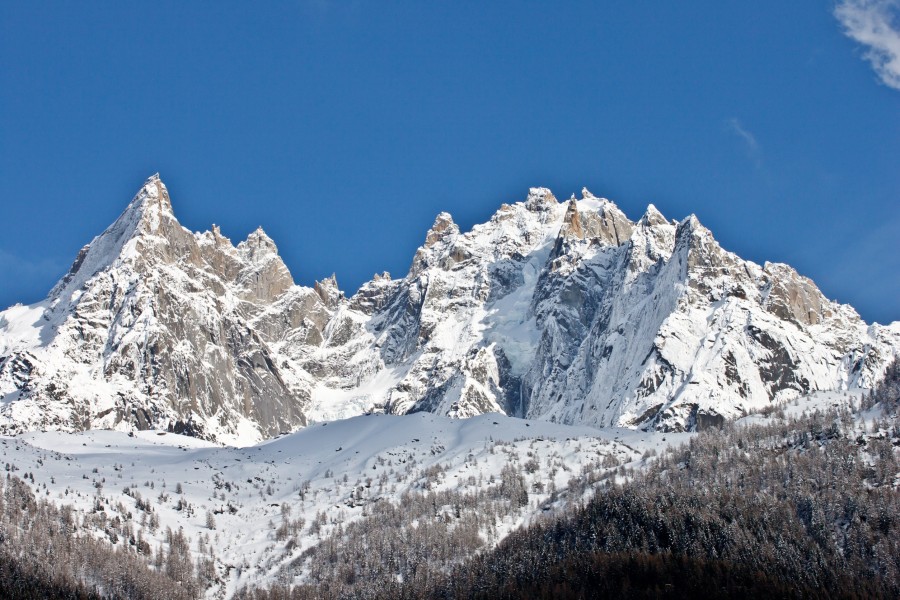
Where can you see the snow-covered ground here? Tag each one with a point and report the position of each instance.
(334, 468)
(816, 401)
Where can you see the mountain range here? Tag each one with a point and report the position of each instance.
(567, 312)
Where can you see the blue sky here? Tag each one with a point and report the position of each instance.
(343, 128)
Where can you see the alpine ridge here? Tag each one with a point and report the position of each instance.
(560, 311)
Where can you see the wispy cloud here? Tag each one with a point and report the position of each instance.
(735, 125)
(754, 151)
(876, 25)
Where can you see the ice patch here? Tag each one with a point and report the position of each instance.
(509, 322)
(332, 404)
(24, 327)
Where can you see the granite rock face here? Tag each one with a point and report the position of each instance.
(567, 312)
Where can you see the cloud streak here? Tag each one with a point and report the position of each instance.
(876, 25)
(754, 151)
(735, 125)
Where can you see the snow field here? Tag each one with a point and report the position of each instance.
(269, 503)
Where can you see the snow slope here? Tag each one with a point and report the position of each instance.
(333, 469)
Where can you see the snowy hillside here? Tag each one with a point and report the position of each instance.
(565, 312)
(271, 513)
(256, 510)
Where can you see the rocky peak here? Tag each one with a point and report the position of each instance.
(219, 254)
(373, 294)
(613, 227)
(218, 238)
(257, 247)
(594, 219)
(150, 211)
(155, 196)
(443, 228)
(328, 291)
(688, 230)
(652, 217)
(540, 199)
(653, 239)
(264, 276)
(149, 214)
(571, 227)
(701, 248)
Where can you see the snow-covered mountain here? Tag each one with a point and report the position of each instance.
(568, 312)
(155, 326)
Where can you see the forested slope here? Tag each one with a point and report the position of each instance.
(46, 553)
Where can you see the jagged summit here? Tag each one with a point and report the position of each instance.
(328, 291)
(540, 198)
(652, 217)
(148, 211)
(153, 203)
(568, 312)
(257, 246)
(442, 228)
